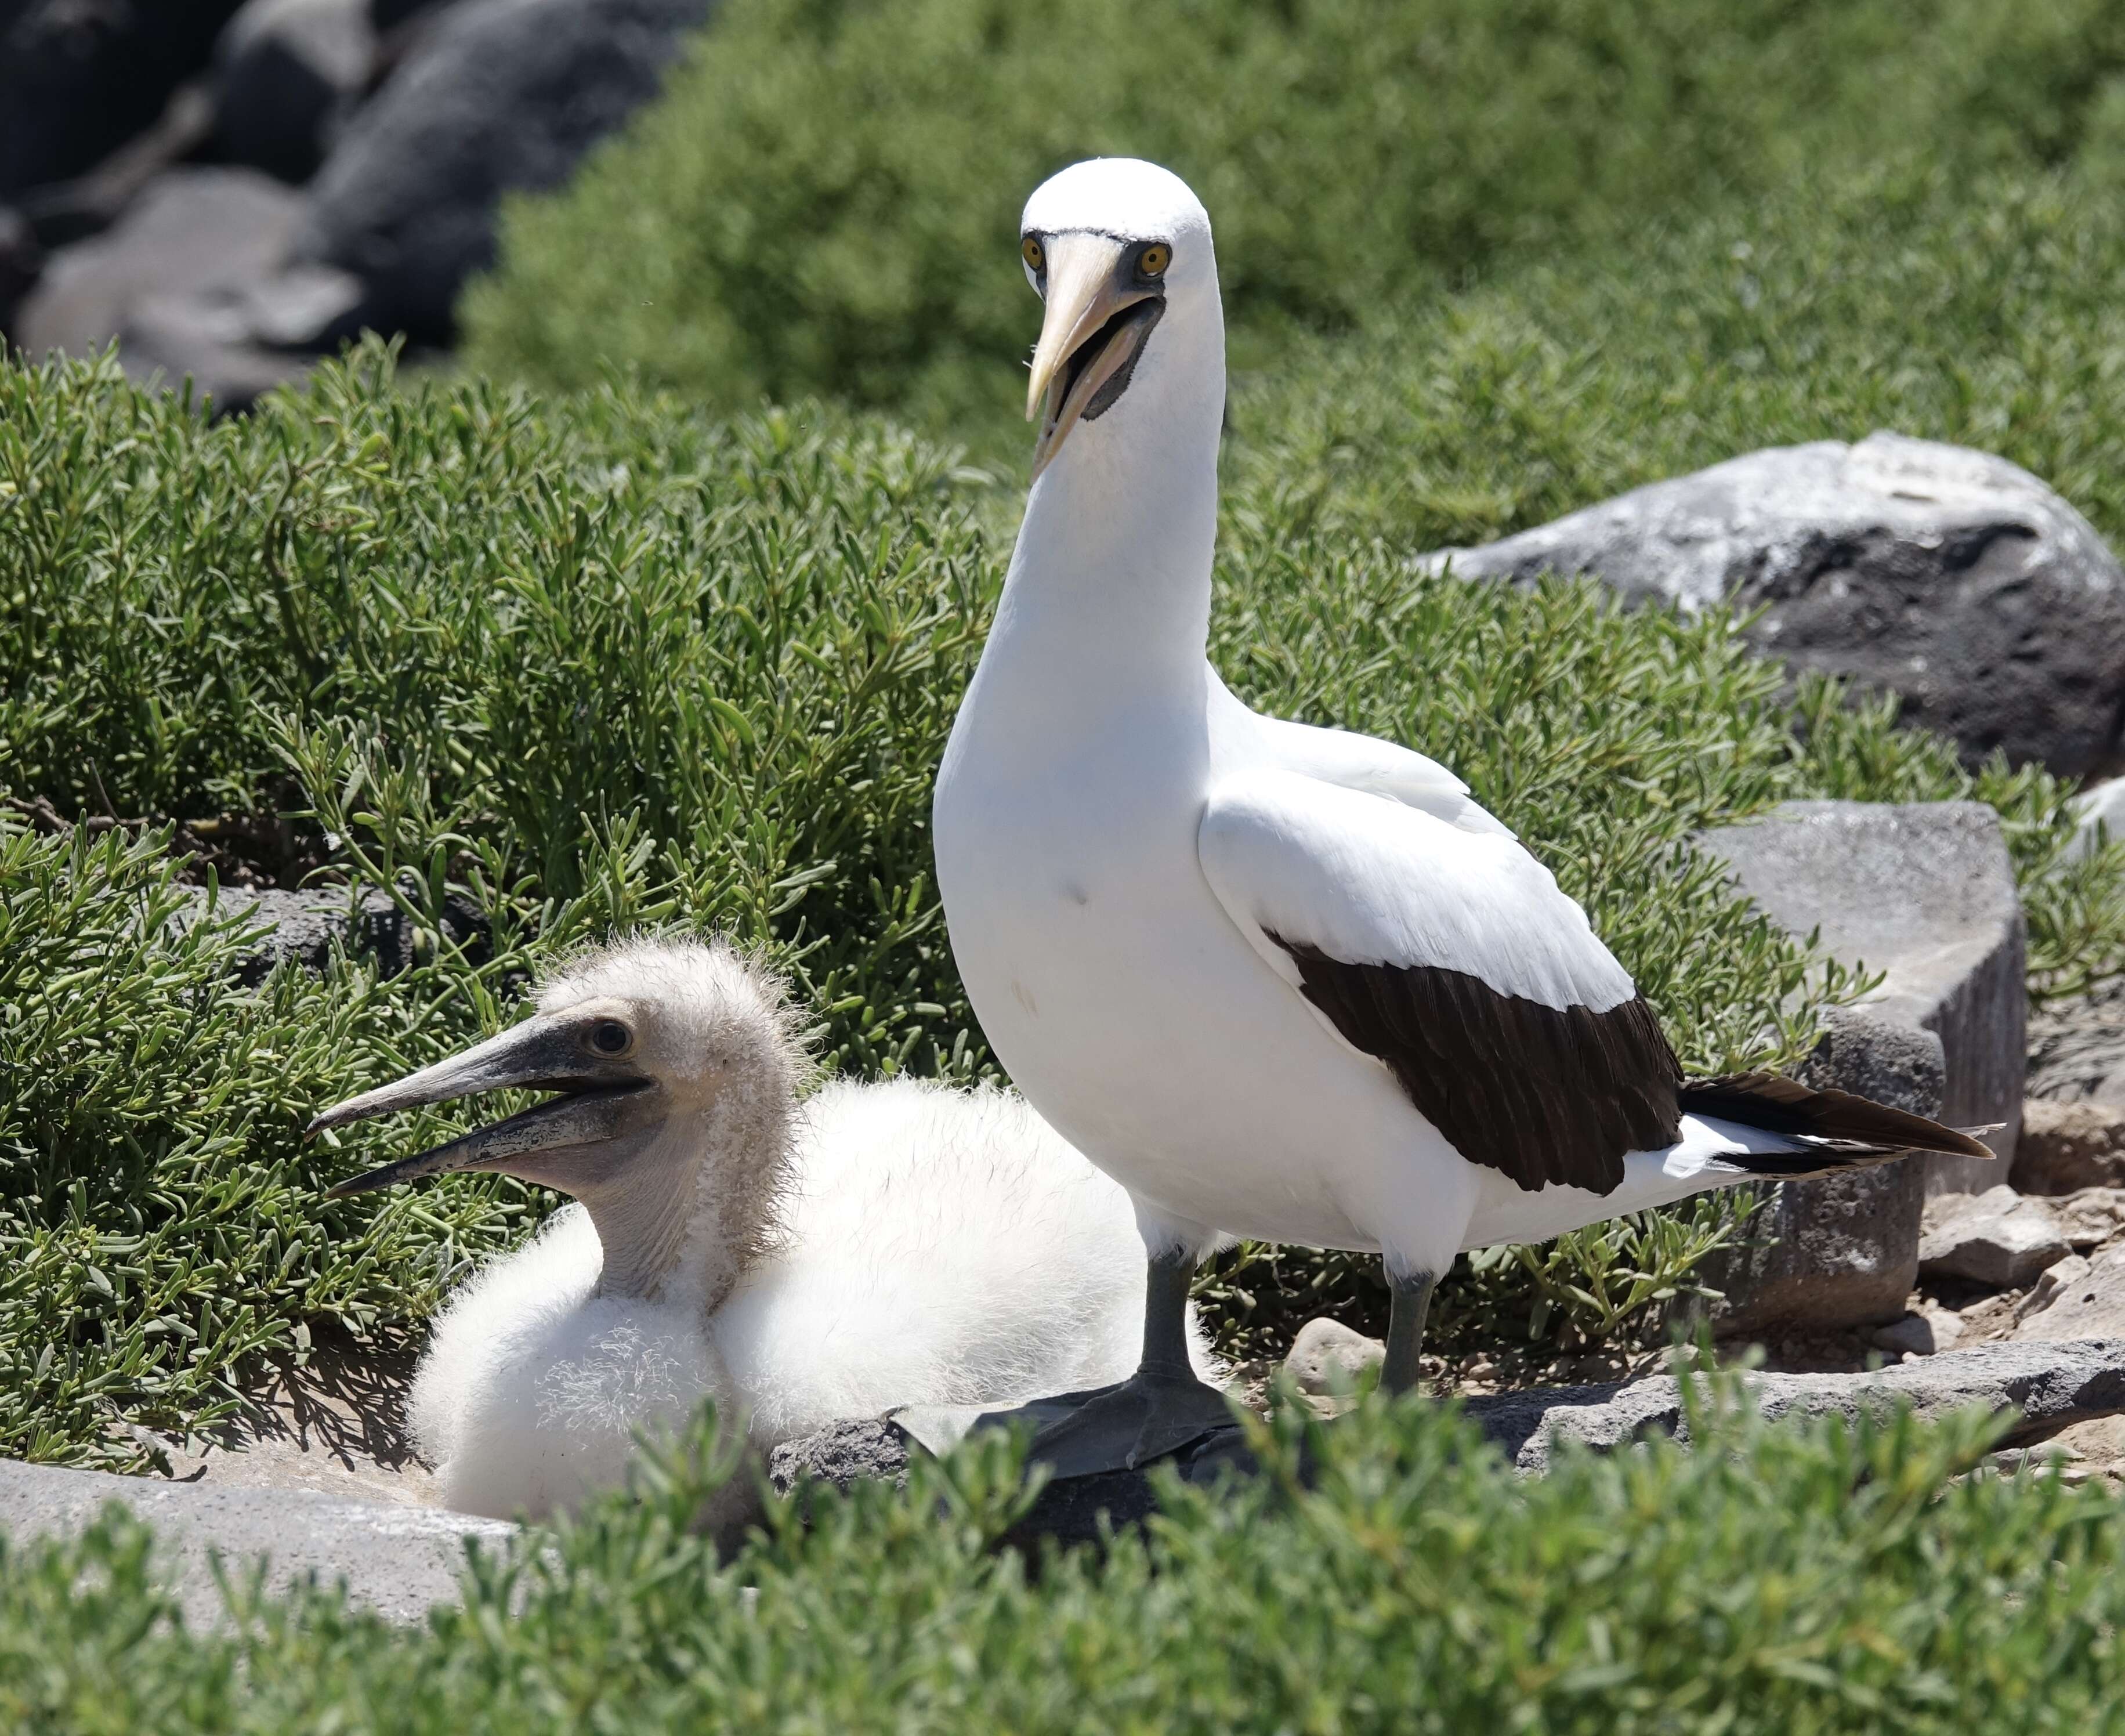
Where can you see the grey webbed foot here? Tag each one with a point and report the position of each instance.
(1123, 1427)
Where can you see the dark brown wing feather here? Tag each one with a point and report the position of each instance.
(1783, 1105)
(1538, 1094)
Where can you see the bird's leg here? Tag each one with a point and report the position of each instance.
(1412, 1302)
(1165, 1317)
(1159, 1409)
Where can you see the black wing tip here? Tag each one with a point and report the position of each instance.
(1864, 1129)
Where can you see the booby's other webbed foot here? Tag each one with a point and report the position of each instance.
(1123, 1427)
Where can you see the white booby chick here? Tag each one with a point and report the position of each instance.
(1283, 982)
(872, 1247)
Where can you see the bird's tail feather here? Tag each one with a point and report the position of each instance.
(1835, 1130)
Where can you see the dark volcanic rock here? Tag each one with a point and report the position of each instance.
(22, 263)
(1071, 1511)
(501, 94)
(80, 78)
(304, 927)
(287, 71)
(194, 230)
(1949, 576)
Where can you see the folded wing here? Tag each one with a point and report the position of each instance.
(1452, 956)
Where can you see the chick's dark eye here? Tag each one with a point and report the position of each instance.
(608, 1037)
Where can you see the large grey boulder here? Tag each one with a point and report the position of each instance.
(22, 263)
(286, 73)
(1951, 578)
(195, 230)
(1924, 892)
(397, 1560)
(500, 95)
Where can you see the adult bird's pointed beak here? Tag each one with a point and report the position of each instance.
(602, 1100)
(1097, 320)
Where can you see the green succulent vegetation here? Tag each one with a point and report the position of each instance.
(1818, 1579)
(826, 201)
(597, 662)
(1980, 313)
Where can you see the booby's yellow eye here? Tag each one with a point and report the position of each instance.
(1154, 259)
(1034, 257)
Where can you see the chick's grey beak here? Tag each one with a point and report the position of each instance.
(603, 1100)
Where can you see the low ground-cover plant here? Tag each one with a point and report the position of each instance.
(1386, 1573)
(1980, 313)
(599, 661)
(825, 200)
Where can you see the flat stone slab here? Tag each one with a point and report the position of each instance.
(2054, 1386)
(396, 1560)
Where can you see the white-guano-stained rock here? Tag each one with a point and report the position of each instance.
(1951, 578)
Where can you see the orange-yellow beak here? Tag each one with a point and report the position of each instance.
(1097, 320)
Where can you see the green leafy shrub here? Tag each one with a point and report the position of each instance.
(160, 1230)
(825, 200)
(1980, 313)
(1803, 1581)
(599, 661)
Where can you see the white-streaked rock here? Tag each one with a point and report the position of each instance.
(1952, 578)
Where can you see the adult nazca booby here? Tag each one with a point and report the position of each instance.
(867, 1246)
(1282, 982)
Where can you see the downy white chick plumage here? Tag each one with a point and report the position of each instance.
(871, 1246)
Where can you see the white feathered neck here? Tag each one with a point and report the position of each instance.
(1108, 587)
